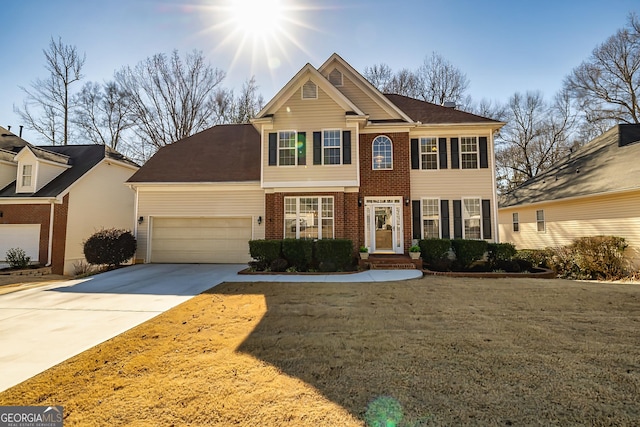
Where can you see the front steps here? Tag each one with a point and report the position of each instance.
(390, 262)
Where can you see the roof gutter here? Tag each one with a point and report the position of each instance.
(50, 241)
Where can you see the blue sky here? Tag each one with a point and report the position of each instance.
(502, 46)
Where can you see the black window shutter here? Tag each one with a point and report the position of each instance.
(273, 149)
(455, 156)
(442, 152)
(346, 147)
(302, 148)
(317, 148)
(486, 219)
(444, 219)
(457, 219)
(415, 153)
(484, 155)
(417, 219)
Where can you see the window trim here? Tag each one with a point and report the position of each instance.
(542, 221)
(23, 175)
(422, 216)
(476, 152)
(515, 222)
(465, 217)
(319, 217)
(339, 147)
(294, 148)
(373, 163)
(436, 153)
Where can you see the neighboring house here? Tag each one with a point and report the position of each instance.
(53, 198)
(328, 157)
(594, 191)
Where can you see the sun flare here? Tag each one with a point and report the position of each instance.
(257, 18)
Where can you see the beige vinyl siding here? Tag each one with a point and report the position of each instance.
(199, 201)
(309, 115)
(364, 101)
(8, 173)
(451, 183)
(46, 173)
(97, 200)
(616, 215)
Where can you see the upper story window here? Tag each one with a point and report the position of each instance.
(430, 218)
(469, 152)
(382, 150)
(27, 171)
(331, 147)
(540, 221)
(429, 153)
(309, 90)
(472, 217)
(287, 148)
(516, 221)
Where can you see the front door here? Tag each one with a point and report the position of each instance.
(383, 225)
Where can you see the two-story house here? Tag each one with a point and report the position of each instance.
(53, 198)
(329, 156)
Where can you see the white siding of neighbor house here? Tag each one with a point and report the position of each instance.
(614, 215)
(100, 199)
(46, 172)
(198, 201)
(309, 115)
(8, 173)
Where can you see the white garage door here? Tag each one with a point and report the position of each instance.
(200, 240)
(23, 236)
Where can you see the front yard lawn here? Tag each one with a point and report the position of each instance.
(434, 351)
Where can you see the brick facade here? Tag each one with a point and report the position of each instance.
(40, 214)
(348, 214)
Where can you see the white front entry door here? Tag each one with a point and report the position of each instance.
(383, 225)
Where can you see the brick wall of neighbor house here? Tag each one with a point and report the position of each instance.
(40, 214)
(395, 182)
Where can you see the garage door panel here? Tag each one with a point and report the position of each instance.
(200, 240)
(23, 236)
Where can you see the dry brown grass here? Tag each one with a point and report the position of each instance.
(442, 351)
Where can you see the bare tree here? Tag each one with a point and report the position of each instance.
(380, 76)
(440, 81)
(537, 135)
(171, 98)
(103, 112)
(52, 95)
(244, 107)
(606, 87)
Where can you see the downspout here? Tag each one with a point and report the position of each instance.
(50, 248)
(495, 190)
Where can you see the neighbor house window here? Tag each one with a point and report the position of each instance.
(472, 218)
(26, 175)
(331, 151)
(469, 152)
(430, 219)
(308, 218)
(429, 153)
(287, 148)
(382, 150)
(516, 222)
(540, 220)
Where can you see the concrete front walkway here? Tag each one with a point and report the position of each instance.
(41, 327)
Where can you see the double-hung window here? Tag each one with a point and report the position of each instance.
(540, 221)
(429, 153)
(27, 171)
(516, 221)
(308, 218)
(430, 218)
(472, 219)
(331, 147)
(382, 153)
(287, 148)
(469, 152)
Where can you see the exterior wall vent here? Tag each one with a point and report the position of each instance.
(309, 90)
(335, 77)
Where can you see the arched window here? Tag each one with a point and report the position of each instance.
(382, 150)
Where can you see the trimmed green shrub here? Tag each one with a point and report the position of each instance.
(334, 254)
(298, 252)
(537, 257)
(434, 249)
(279, 264)
(497, 252)
(110, 247)
(265, 251)
(468, 251)
(17, 258)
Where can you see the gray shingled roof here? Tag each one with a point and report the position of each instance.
(609, 163)
(428, 113)
(81, 158)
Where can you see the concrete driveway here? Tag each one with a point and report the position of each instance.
(44, 326)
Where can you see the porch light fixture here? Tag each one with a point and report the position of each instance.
(259, 220)
(359, 202)
(406, 201)
(140, 220)
(1, 214)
